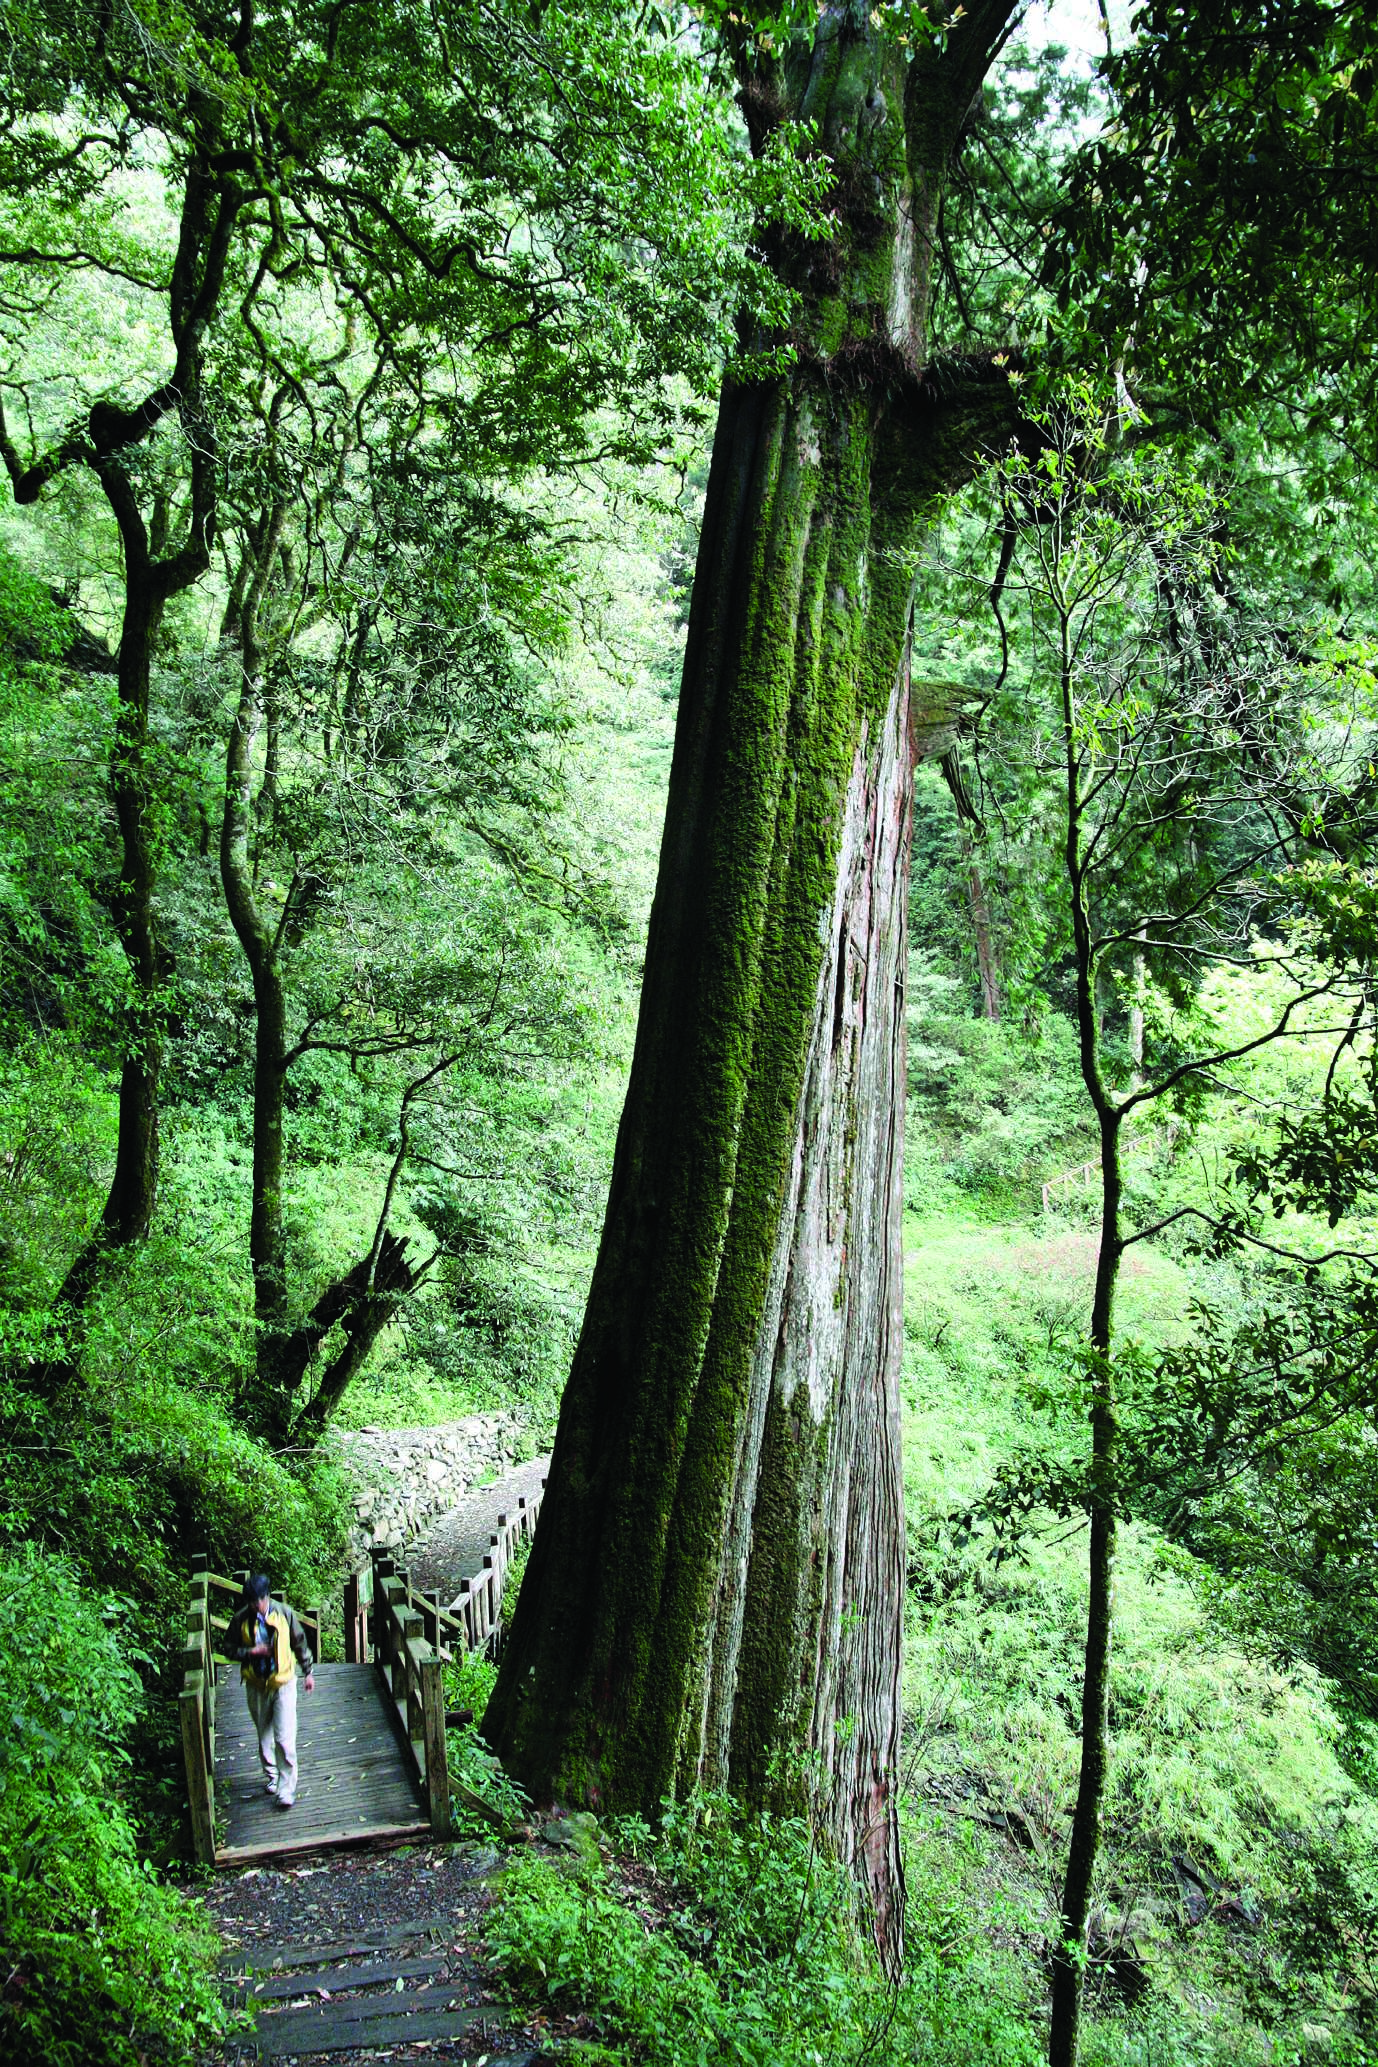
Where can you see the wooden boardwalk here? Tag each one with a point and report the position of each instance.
(355, 1783)
(371, 1736)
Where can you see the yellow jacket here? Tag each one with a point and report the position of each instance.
(285, 1634)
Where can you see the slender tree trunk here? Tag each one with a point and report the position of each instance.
(1139, 984)
(265, 1401)
(129, 1204)
(987, 957)
(716, 1586)
(152, 575)
(365, 1298)
(1069, 1955)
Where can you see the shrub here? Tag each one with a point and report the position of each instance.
(723, 1939)
(103, 1962)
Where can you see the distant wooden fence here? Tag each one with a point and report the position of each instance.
(479, 1600)
(1084, 1175)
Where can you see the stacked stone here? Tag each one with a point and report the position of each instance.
(405, 1477)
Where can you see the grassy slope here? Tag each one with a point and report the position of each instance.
(1220, 1763)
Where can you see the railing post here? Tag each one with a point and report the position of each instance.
(353, 1615)
(310, 1620)
(411, 1691)
(199, 1794)
(463, 1606)
(437, 1757)
(387, 1608)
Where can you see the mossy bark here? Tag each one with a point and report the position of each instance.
(716, 1585)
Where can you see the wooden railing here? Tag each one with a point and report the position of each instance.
(198, 1695)
(412, 1671)
(197, 1705)
(413, 1635)
(479, 1600)
(1055, 1189)
(472, 1618)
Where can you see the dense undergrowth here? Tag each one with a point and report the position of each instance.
(105, 1962)
(1238, 1882)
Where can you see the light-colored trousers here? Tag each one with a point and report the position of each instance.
(274, 1710)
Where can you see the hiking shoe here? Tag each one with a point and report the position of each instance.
(284, 1801)
(270, 1788)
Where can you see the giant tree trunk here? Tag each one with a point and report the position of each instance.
(716, 1586)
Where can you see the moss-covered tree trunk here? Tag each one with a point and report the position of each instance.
(716, 1586)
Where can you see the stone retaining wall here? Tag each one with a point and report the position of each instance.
(405, 1477)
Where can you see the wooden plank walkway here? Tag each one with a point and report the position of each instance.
(355, 1782)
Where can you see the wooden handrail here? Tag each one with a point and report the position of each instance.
(478, 1604)
(196, 1704)
(412, 1634)
(412, 1671)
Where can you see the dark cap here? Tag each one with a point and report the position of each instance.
(257, 1587)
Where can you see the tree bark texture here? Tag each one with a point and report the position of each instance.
(715, 1591)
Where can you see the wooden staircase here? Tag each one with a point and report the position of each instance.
(374, 1989)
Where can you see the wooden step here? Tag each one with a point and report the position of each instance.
(340, 1980)
(370, 2021)
(272, 1959)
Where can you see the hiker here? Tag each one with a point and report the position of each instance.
(264, 1635)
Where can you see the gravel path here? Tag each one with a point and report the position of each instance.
(454, 1546)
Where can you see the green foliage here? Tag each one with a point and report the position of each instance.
(1240, 168)
(147, 1463)
(103, 1964)
(1231, 1755)
(482, 1798)
(722, 1937)
(996, 1107)
(57, 969)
